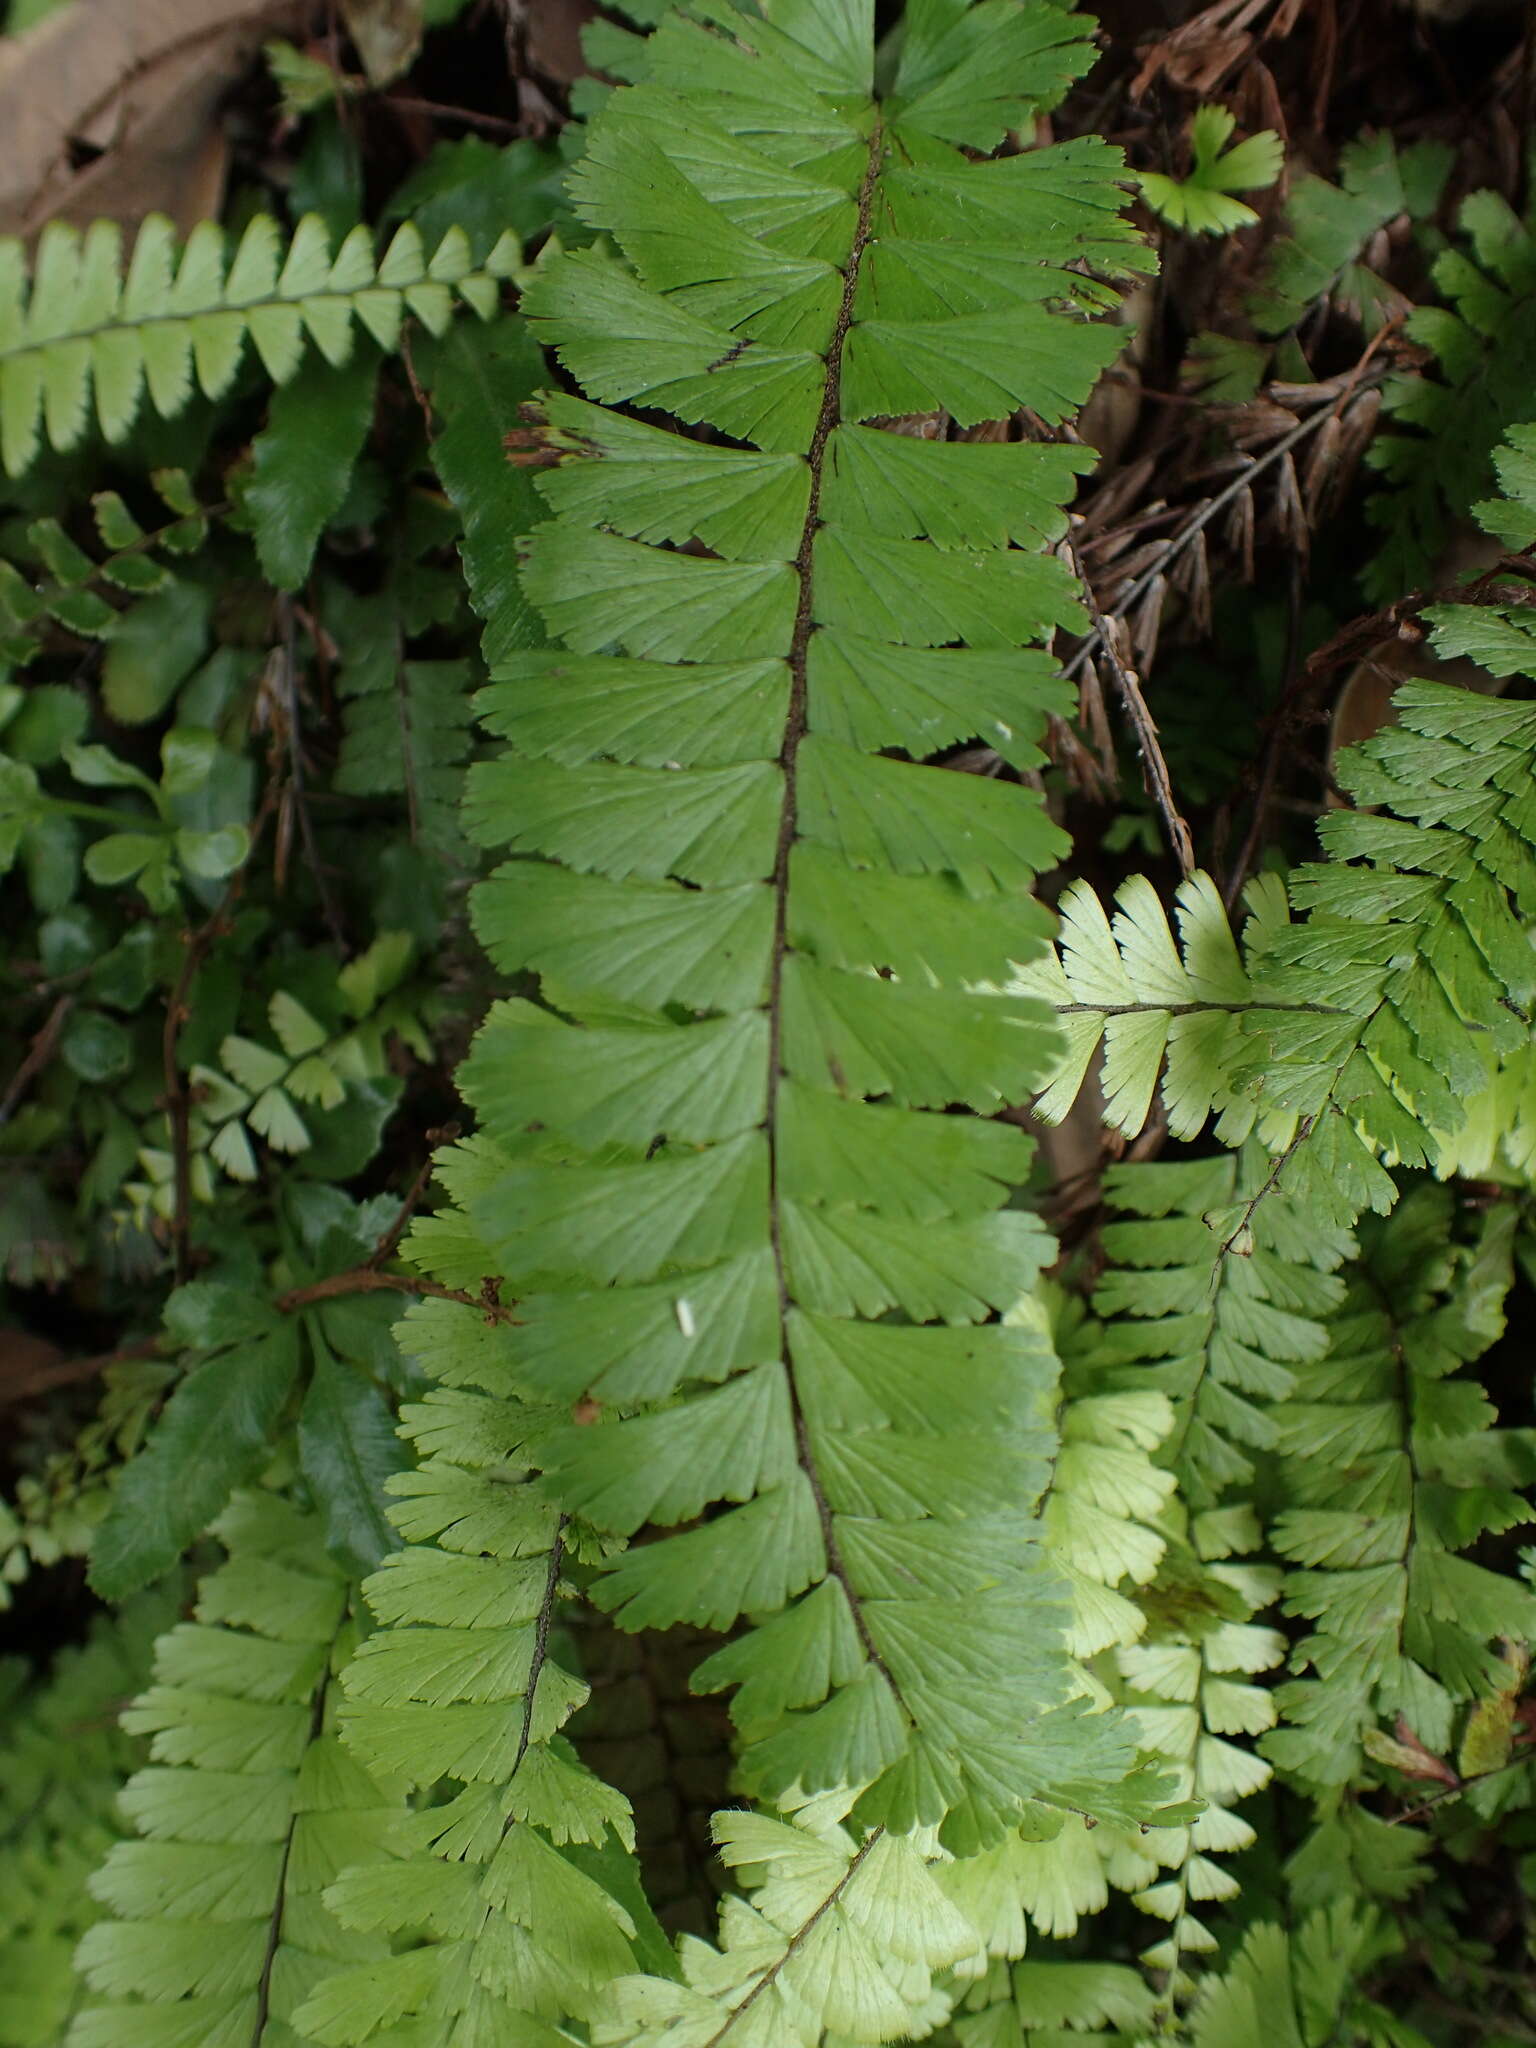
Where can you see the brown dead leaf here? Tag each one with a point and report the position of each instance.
(1364, 706)
(133, 87)
(1192, 579)
(1202, 51)
(552, 39)
(1239, 531)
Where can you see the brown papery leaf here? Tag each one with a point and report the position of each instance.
(135, 87)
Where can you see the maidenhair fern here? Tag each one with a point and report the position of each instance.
(763, 934)
(407, 720)
(1023, 1592)
(1293, 1988)
(460, 1688)
(84, 328)
(1211, 1340)
(1358, 1032)
(1392, 1470)
(1440, 461)
(755, 1253)
(838, 1936)
(248, 1808)
(1219, 1336)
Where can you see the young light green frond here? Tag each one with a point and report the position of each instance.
(1105, 1504)
(833, 1938)
(772, 954)
(1161, 1010)
(1366, 1030)
(1185, 1683)
(1051, 1998)
(1392, 1467)
(1202, 203)
(88, 333)
(246, 1810)
(458, 1693)
(1153, 1584)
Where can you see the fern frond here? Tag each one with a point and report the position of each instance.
(1054, 1999)
(1160, 1010)
(1441, 461)
(62, 1765)
(1350, 1036)
(764, 941)
(1392, 1469)
(1284, 1985)
(1219, 1337)
(84, 329)
(459, 1691)
(1107, 1492)
(407, 731)
(1187, 1688)
(835, 1937)
(56, 580)
(406, 722)
(1205, 1339)
(248, 1808)
(1331, 227)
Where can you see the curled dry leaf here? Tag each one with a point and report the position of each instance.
(1203, 51)
(134, 88)
(1110, 417)
(1191, 577)
(1364, 704)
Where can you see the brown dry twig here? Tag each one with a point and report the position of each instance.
(386, 1245)
(45, 1378)
(42, 1049)
(367, 1280)
(1128, 685)
(1202, 51)
(1330, 400)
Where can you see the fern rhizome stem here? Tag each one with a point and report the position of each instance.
(794, 733)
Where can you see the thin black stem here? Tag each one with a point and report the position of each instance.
(794, 733)
(540, 1655)
(1169, 554)
(1128, 688)
(280, 1896)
